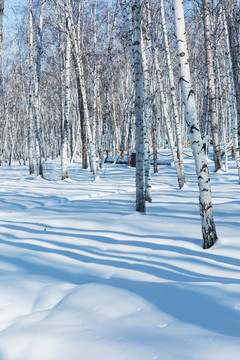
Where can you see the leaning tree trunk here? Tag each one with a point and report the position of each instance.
(80, 72)
(211, 88)
(205, 202)
(138, 86)
(173, 92)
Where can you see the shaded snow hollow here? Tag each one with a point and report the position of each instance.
(85, 277)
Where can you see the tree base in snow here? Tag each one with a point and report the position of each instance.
(209, 236)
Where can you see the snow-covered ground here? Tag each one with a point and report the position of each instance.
(85, 277)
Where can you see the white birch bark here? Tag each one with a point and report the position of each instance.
(37, 88)
(106, 111)
(84, 140)
(31, 99)
(1, 70)
(205, 202)
(83, 88)
(95, 80)
(129, 57)
(165, 114)
(147, 119)
(1, 37)
(204, 117)
(211, 88)
(138, 86)
(30, 133)
(154, 135)
(173, 92)
(65, 125)
(220, 95)
(232, 10)
(124, 124)
(233, 107)
(127, 31)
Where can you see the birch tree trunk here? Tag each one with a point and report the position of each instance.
(138, 86)
(30, 133)
(154, 135)
(211, 88)
(180, 175)
(37, 89)
(233, 107)
(95, 80)
(83, 123)
(65, 125)
(204, 118)
(223, 117)
(83, 88)
(173, 93)
(205, 202)
(147, 119)
(232, 10)
(1, 37)
(1, 70)
(84, 140)
(106, 110)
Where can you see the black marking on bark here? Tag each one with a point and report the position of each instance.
(205, 208)
(191, 92)
(204, 167)
(182, 79)
(193, 127)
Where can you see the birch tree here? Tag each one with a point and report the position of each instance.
(1, 37)
(165, 113)
(231, 89)
(36, 78)
(80, 73)
(205, 202)
(1, 74)
(106, 111)
(65, 125)
(211, 87)
(147, 119)
(138, 87)
(173, 95)
(30, 131)
(232, 10)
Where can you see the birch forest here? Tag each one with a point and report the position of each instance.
(122, 79)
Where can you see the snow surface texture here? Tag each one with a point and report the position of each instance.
(85, 277)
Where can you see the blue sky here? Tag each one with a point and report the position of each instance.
(8, 4)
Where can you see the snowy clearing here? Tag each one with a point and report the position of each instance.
(85, 277)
